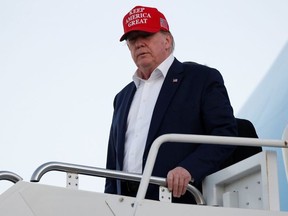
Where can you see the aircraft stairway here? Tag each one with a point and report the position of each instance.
(249, 187)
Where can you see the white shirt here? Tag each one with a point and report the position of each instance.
(140, 115)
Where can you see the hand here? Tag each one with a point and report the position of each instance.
(177, 181)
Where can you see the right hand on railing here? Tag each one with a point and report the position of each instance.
(177, 181)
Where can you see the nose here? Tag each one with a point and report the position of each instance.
(139, 42)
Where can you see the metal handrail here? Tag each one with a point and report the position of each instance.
(147, 178)
(100, 172)
(188, 138)
(10, 176)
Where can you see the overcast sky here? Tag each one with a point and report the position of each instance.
(61, 64)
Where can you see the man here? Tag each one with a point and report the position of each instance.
(166, 96)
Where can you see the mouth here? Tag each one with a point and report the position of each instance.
(142, 54)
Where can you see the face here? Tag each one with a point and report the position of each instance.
(149, 50)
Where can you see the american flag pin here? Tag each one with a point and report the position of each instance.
(175, 80)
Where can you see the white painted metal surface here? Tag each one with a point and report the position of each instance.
(35, 199)
(72, 180)
(251, 184)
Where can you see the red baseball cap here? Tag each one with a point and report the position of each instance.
(146, 19)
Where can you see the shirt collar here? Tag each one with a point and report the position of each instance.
(162, 69)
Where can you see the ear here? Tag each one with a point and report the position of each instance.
(168, 41)
(128, 45)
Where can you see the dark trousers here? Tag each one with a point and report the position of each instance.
(129, 188)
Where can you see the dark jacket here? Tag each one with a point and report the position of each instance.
(192, 100)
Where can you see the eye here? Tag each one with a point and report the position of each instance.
(131, 38)
(146, 34)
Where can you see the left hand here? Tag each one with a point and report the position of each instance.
(177, 181)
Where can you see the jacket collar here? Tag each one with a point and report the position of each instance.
(167, 92)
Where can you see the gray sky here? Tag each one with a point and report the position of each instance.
(61, 63)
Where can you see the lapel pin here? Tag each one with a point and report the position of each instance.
(175, 80)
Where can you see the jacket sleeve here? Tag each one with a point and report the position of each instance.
(110, 184)
(218, 119)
